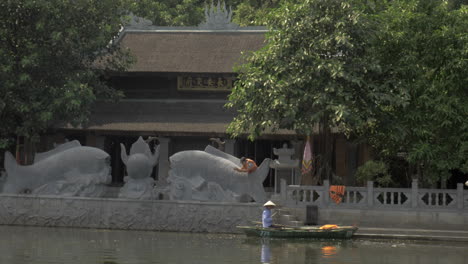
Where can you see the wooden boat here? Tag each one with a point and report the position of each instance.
(341, 232)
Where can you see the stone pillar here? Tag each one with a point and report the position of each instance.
(283, 190)
(229, 146)
(163, 160)
(370, 194)
(326, 195)
(414, 193)
(298, 146)
(460, 198)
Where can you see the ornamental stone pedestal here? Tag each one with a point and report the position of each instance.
(285, 167)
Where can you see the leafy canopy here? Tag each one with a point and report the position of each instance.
(424, 47)
(315, 68)
(191, 12)
(54, 56)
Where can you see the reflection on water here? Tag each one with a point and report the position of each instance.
(328, 251)
(23, 245)
(359, 251)
(266, 251)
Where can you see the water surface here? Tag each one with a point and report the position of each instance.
(23, 245)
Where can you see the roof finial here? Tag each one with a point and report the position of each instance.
(218, 18)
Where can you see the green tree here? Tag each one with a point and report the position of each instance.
(191, 12)
(424, 47)
(170, 12)
(254, 12)
(376, 171)
(54, 59)
(315, 69)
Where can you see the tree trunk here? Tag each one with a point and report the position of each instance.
(325, 150)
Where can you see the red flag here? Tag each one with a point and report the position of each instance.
(307, 158)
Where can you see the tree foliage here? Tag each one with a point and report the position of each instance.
(315, 68)
(254, 12)
(424, 46)
(170, 12)
(392, 73)
(376, 171)
(54, 56)
(191, 12)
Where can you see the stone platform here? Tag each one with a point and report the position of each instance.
(183, 216)
(111, 213)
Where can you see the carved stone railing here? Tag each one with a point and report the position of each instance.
(370, 197)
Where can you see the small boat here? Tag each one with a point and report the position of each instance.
(340, 232)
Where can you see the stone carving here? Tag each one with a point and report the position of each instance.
(284, 158)
(138, 22)
(218, 18)
(140, 163)
(210, 176)
(125, 214)
(68, 170)
(218, 142)
(57, 148)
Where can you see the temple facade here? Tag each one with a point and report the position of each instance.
(175, 92)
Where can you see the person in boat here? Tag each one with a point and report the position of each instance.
(248, 165)
(267, 221)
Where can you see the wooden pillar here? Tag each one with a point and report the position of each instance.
(351, 162)
(99, 143)
(341, 169)
(90, 139)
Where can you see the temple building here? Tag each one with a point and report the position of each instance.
(176, 92)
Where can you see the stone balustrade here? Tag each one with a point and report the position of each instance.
(370, 197)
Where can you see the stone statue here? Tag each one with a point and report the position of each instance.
(284, 158)
(210, 176)
(68, 170)
(138, 22)
(218, 142)
(57, 148)
(140, 163)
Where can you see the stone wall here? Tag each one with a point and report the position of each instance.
(183, 216)
(387, 218)
(188, 216)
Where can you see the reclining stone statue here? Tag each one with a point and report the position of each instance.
(140, 163)
(68, 170)
(210, 176)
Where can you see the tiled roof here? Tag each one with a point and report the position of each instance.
(190, 51)
(163, 117)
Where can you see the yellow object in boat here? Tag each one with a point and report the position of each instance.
(328, 227)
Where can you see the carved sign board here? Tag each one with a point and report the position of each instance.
(204, 83)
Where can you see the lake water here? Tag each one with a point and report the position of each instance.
(23, 245)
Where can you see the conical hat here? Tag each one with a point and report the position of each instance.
(269, 203)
